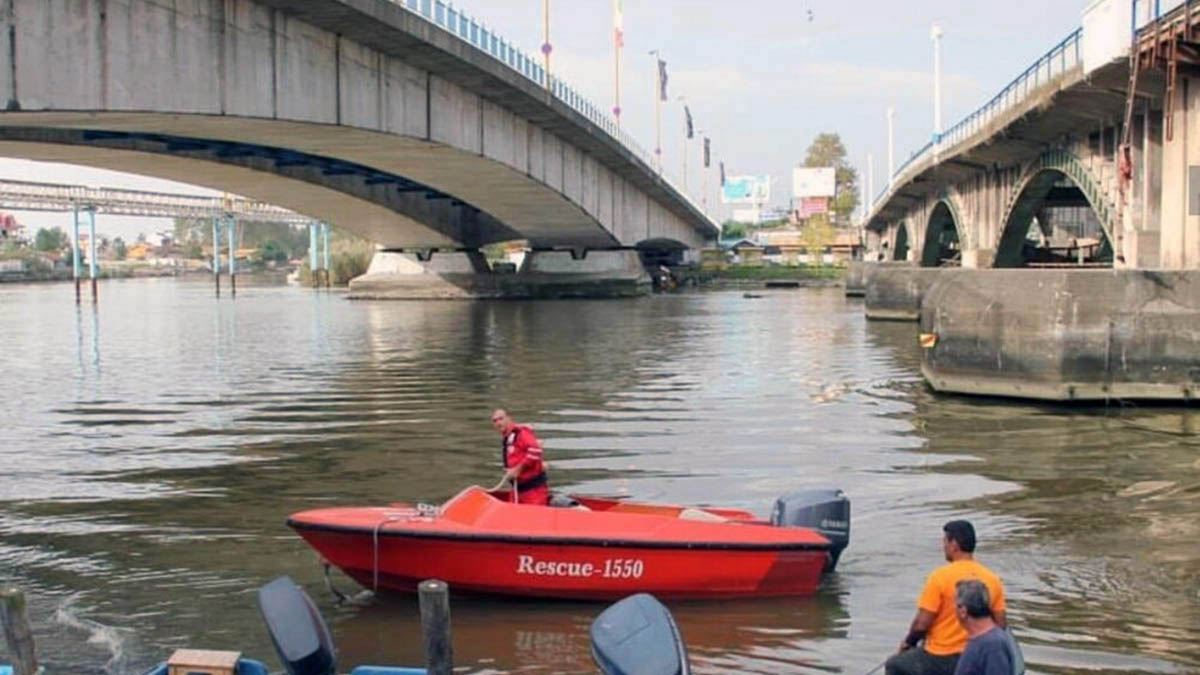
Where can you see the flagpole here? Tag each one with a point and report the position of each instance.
(657, 111)
(685, 145)
(618, 43)
(546, 41)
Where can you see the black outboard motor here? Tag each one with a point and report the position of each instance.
(827, 511)
(638, 636)
(299, 632)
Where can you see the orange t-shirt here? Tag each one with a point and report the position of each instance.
(946, 635)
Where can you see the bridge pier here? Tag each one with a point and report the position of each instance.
(1063, 335)
(894, 290)
(856, 281)
(466, 275)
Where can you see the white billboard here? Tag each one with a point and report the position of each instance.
(746, 190)
(814, 182)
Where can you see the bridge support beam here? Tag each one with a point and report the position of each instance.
(467, 275)
(1063, 335)
(894, 290)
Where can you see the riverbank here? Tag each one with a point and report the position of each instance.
(800, 276)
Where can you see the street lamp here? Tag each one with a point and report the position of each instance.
(935, 34)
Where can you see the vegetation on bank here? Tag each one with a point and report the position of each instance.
(349, 257)
(809, 273)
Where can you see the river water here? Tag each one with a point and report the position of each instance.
(152, 449)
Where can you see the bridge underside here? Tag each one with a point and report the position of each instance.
(427, 140)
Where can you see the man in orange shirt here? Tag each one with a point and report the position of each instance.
(936, 621)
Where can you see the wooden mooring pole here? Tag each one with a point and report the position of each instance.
(17, 634)
(434, 598)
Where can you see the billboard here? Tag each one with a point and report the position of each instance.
(811, 206)
(746, 190)
(814, 182)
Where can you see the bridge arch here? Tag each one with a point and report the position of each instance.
(900, 241)
(1057, 180)
(943, 240)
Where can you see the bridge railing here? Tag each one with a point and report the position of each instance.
(1061, 59)
(1146, 11)
(470, 30)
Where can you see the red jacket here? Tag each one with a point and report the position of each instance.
(519, 445)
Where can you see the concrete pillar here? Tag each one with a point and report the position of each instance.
(856, 281)
(1180, 233)
(894, 290)
(1063, 334)
(467, 275)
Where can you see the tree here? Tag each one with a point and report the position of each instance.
(119, 249)
(733, 230)
(827, 150)
(54, 239)
(272, 251)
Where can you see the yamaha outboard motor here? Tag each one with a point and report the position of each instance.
(827, 511)
(638, 636)
(300, 635)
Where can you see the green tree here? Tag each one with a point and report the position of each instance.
(827, 150)
(272, 251)
(732, 230)
(119, 249)
(54, 239)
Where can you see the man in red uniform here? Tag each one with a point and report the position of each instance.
(521, 453)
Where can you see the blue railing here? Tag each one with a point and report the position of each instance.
(472, 31)
(1062, 58)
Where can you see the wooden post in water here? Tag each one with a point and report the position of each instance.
(434, 598)
(17, 634)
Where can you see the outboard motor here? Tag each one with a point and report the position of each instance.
(825, 510)
(299, 632)
(638, 636)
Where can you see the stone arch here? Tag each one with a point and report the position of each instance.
(943, 236)
(1031, 192)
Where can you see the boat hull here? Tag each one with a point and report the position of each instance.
(568, 571)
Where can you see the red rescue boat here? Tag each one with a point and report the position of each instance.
(595, 549)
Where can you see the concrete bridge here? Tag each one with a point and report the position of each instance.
(1084, 173)
(405, 122)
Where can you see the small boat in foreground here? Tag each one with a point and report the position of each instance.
(596, 549)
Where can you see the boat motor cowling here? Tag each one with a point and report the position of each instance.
(297, 629)
(638, 636)
(825, 510)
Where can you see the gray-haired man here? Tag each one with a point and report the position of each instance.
(988, 651)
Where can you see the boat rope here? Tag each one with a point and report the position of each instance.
(341, 597)
(375, 541)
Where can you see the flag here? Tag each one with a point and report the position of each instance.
(722, 174)
(619, 23)
(707, 163)
(662, 79)
(688, 114)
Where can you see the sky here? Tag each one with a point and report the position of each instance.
(762, 77)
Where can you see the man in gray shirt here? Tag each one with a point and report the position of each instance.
(988, 651)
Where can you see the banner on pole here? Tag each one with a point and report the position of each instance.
(722, 174)
(688, 114)
(662, 79)
(707, 155)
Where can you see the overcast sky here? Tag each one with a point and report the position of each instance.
(762, 77)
